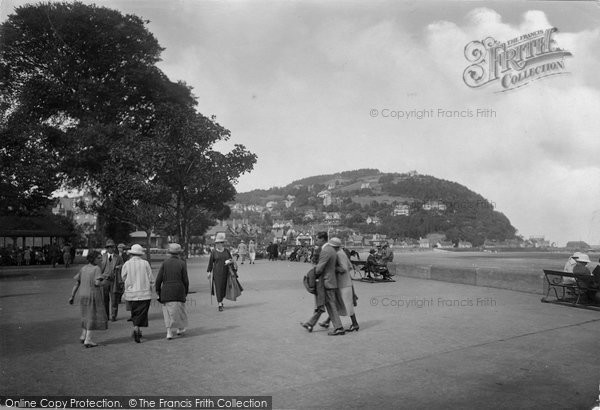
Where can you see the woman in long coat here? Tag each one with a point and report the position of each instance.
(137, 277)
(172, 286)
(88, 288)
(218, 269)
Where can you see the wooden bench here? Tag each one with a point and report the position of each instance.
(571, 286)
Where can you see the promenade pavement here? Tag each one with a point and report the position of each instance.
(421, 344)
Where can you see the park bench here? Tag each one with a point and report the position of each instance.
(571, 286)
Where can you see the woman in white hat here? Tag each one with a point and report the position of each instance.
(138, 280)
(172, 285)
(586, 276)
(217, 270)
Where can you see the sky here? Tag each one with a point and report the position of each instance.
(321, 87)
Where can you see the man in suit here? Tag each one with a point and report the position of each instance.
(326, 274)
(111, 270)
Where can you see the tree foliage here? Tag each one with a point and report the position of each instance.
(82, 94)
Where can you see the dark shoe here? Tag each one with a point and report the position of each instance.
(337, 332)
(324, 324)
(137, 336)
(353, 328)
(130, 320)
(221, 308)
(307, 326)
(88, 345)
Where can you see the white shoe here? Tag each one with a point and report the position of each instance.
(169, 334)
(181, 332)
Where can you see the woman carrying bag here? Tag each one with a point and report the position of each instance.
(218, 270)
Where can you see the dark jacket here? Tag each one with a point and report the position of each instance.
(172, 283)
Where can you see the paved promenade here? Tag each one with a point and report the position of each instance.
(421, 344)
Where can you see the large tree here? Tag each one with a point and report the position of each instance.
(70, 74)
(80, 88)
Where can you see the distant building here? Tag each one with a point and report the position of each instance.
(401, 210)
(332, 218)
(68, 207)
(270, 205)
(365, 185)
(578, 245)
(326, 196)
(539, 242)
(434, 206)
(423, 243)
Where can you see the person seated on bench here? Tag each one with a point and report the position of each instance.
(571, 263)
(371, 262)
(582, 269)
(374, 266)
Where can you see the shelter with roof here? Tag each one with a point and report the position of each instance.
(21, 232)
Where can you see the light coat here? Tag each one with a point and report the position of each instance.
(137, 275)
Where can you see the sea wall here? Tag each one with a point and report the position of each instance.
(489, 277)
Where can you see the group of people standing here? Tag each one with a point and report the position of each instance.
(107, 277)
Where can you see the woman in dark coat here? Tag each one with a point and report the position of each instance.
(172, 286)
(218, 269)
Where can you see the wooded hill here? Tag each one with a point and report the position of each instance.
(400, 205)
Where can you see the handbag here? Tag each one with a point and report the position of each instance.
(310, 281)
(233, 265)
(233, 289)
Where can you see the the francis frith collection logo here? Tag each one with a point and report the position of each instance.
(516, 62)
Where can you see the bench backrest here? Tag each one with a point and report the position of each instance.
(555, 277)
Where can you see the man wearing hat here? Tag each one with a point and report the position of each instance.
(111, 271)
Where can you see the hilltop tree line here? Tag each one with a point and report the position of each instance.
(84, 106)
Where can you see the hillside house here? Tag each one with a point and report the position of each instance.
(332, 218)
(401, 210)
(434, 206)
(326, 196)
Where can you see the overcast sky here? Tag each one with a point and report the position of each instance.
(297, 83)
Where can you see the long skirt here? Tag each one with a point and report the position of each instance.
(139, 312)
(175, 315)
(93, 313)
(219, 286)
(348, 298)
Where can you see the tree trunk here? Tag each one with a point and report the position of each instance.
(148, 243)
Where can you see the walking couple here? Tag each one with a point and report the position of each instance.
(334, 287)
